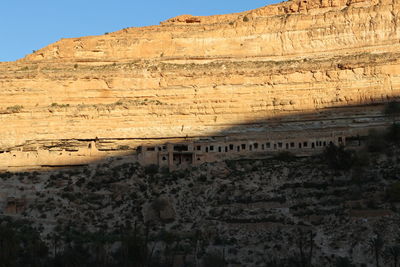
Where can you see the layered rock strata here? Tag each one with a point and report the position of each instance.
(295, 66)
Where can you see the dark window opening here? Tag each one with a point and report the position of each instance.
(280, 145)
(305, 144)
(251, 147)
(226, 149)
(179, 158)
(243, 146)
(198, 148)
(164, 158)
(262, 147)
(324, 143)
(340, 139)
(268, 145)
(151, 149)
(181, 148)
(198, 158)
(230, 147)
(299, 145)
(292, 144)
(255, 145)
(238, 148)
(274, 146)
(312, 145)
(287, 145)
(207, 149)
(219, 149)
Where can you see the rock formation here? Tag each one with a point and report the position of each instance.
(296, 65)
(252, 210)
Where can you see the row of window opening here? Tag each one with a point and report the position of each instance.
(254, 146)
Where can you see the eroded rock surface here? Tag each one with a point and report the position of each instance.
(205, 76)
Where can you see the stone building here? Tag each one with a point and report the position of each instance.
(194, 152)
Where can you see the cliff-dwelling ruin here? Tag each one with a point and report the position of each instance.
(196, 152)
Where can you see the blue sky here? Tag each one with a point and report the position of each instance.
(28, 25)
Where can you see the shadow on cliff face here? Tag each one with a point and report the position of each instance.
(350, 120)
(225, 204)
(241, 196)
(341, 117)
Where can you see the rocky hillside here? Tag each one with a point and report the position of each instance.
(201, 76)
(335, 209)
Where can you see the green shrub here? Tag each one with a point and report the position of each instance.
(56, 105)
(159, 205)
(338, 158)
(202, 178)
(376, 141)
(393, 192)
(245, 19)
(214, 259)
(151, 169)
(343, 262)
(392, 108)
(393, 133)
(15, 109)
(361, 159)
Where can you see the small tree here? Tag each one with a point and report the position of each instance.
(134, 250)
(376, 245)
(376, 141)
(159, 205)
(393, 192)
(343, 262)
(338, 158)
(392, 109)
(214, 259)
(8, 246)
(393, 253)
(393, 133)
(151, 169)
(304, 242)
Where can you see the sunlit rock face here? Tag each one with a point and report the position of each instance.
(276, 68)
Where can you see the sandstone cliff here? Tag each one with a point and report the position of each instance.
(204, 76)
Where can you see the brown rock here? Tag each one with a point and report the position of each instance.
(83, 99)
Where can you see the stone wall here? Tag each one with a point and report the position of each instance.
(188, 153)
